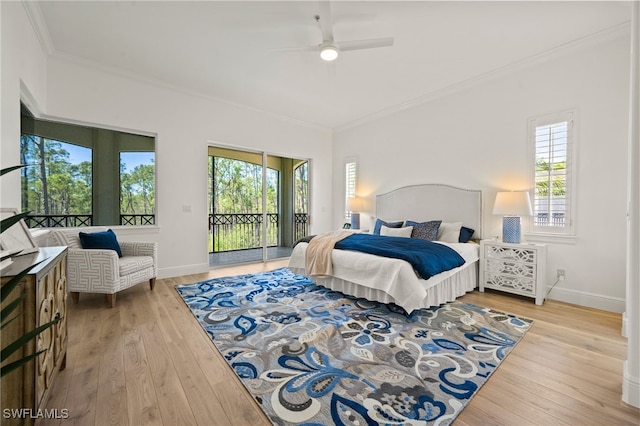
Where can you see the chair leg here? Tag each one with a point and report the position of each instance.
(75, 296)
(111, 299)
(152, 283)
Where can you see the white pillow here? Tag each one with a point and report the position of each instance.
(396, 232)
(449, 232)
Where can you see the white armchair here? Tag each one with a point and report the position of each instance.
(102, 271)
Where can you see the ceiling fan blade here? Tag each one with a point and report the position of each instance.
(326, 23)
(365, 44)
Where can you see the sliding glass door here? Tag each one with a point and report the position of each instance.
(255, 201)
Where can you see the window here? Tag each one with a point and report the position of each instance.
(83, 176)
(137, 188)
(350, 185)
(57, 188)
(553, 195)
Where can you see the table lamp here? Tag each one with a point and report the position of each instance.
(512, 205)
(355, 205)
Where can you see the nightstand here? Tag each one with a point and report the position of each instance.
(514, 268)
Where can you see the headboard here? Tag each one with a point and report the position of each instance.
(433, 202)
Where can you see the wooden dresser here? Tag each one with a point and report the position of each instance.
(25, 391)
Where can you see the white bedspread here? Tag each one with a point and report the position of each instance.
(393, 277)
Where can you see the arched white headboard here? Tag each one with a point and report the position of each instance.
(433, 202)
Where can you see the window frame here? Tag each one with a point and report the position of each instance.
(566, 233)
(349, 190)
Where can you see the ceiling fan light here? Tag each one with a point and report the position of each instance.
(329, 52)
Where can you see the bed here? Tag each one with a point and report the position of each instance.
(389, 280)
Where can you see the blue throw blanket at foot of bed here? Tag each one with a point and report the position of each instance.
(426, 257)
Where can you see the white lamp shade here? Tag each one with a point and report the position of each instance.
(516, 203)
(355, 204)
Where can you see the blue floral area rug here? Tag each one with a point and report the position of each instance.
(313, 356)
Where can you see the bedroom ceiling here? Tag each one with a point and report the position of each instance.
(232, 50)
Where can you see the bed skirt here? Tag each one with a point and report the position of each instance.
(445, 291)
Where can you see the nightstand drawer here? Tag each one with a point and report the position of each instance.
(509, 276)
(515, 269)
(516, 254)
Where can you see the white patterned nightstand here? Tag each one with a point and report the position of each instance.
(514, 268)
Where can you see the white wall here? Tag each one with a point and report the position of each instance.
(22, 62)
(477, 138)
(184, 124)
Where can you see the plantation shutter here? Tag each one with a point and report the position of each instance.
(552, 195)
(350, 185)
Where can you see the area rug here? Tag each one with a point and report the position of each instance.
(313, 356)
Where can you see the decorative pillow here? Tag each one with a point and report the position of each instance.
(465, 234)
(100, 240)
(425, 230)
(404, 232)
(449, 232)
(380, 223)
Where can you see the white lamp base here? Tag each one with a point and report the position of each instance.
(511, 229)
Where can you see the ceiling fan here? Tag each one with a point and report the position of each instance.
(329, 48)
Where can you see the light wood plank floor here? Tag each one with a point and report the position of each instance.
(147, 361)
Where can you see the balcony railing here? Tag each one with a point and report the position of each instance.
(242, 231)
(137, 219)
(58, 220)
(230, 231)
(301, 225)
(76, 220)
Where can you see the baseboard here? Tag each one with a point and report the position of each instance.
(178, 271)
(630, 388)
(591, 300)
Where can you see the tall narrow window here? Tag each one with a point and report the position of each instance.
(350, 185)
(552, 140)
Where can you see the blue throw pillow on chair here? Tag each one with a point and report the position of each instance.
(100, 240)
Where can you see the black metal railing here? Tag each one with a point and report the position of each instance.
(137, 219)
(58, 220)
(300, 226)
(243, 231)
(77, 220)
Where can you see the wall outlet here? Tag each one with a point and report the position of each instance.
(561, 274)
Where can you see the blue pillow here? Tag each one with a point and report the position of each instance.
(380, 223)
(100, 240)
(465, 234)
(425, 230)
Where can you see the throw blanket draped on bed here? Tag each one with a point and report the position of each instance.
(318, 259)
(426, 257)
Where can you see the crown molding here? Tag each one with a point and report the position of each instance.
(34, 13)
(608, 34)
(87, 63)
(39, 25)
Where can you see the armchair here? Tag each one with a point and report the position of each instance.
(102, 271)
